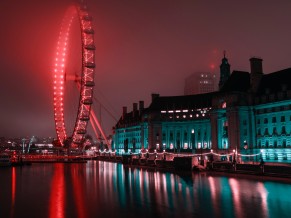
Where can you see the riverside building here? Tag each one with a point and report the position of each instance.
(249, 115)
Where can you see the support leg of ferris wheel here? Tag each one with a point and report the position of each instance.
(93, 118)
(94, 128)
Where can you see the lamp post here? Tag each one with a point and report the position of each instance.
(193, 139)
(234, 159)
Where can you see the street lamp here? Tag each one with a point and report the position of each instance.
(193, 139)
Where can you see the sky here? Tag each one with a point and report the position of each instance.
(142, 47)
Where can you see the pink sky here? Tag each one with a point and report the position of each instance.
(143, 47)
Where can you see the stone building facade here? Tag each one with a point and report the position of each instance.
(250, 114)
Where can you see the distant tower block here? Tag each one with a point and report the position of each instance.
(200, 82)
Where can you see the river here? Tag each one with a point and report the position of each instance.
(105, 189)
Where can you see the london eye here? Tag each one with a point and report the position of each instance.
(85, 80)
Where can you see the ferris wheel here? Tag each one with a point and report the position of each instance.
(86, 79)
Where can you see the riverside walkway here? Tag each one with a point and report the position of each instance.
(170, 162)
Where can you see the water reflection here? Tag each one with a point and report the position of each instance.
(57, 195)
(77, 172)
(263, 194)
(99, 189)
(13, 191)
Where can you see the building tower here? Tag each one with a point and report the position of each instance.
(256, 73)
(224, 71)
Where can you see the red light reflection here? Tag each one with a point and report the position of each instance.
(57, 196)
(78, 188)
(13, 190)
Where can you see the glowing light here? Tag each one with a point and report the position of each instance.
(60, 60)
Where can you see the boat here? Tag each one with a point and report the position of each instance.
(5, 160)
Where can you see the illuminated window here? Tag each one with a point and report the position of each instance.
(199, 145)
(223, 105)
(171, 146)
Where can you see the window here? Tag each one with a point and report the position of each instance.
(283, 130)
(284, 143)
(171, 136)
(282, 118)
(267, 143)
(259, 144)
(258, 121)
(259, 132)
(205, 144)
(273, 119)
(275, 144)
(199, 145)
(266, 120)
(274, 131)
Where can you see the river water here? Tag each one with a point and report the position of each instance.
(104, 189)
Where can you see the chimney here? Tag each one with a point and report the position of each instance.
(141, 107)
(256, 73)
(134, 109)
(154, 96)
(124, 111)
(256, 65)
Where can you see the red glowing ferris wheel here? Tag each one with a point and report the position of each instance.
(86, 82)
